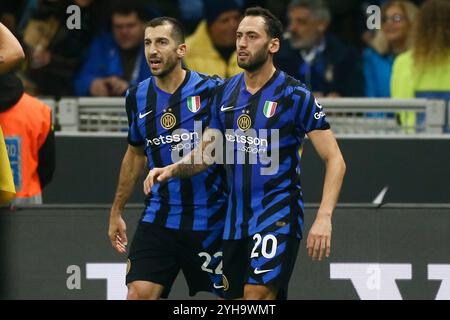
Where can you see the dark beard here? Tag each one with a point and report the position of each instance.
(170, 66)
(258, 60)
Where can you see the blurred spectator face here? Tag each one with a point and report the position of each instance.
(305, 30)
(128, 30)
(395, 24)
(162, 51)
(223, 30)
(83, 3)
(253, 44)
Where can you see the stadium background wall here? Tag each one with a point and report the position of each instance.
(56, 251)
(414, 170)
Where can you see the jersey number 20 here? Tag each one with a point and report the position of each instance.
(265, 241)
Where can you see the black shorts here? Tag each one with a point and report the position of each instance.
(262, 259)
(157, 254)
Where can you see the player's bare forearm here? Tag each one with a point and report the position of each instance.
(318, 242)
(189, 166)
(334, 176)
(10, 50)
(132, 167)
(327, 148)
(198, 160)
(183, 170)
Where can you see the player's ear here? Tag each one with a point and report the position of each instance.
(274, 45)
(181, 50)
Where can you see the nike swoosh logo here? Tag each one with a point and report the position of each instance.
(256, 271)
(217, 287)
(223, 108)
(143, 115)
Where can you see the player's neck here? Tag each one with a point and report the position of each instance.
(255, 80)
(171, 81)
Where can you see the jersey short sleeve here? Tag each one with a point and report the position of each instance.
(309, 114)
(214, 120)
(134, 136)
(213, 83)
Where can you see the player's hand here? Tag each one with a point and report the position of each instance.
(156, 175)
(118, 233)
(318, 243)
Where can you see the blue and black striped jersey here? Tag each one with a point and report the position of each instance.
(168, 126)
(269, 123)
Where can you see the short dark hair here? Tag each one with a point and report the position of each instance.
(274, 28)
(177, 28)
(121, 7)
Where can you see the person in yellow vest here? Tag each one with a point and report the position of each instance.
(212, 47)
(424, 71)
(11, 53)
(7, 190)
(27, 128)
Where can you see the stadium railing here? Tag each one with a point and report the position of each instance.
(347, 115)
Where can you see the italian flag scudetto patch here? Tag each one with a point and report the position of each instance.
(193, 103)
(269, 108)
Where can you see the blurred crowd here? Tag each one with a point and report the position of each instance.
(95, 48)
(326, 44)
